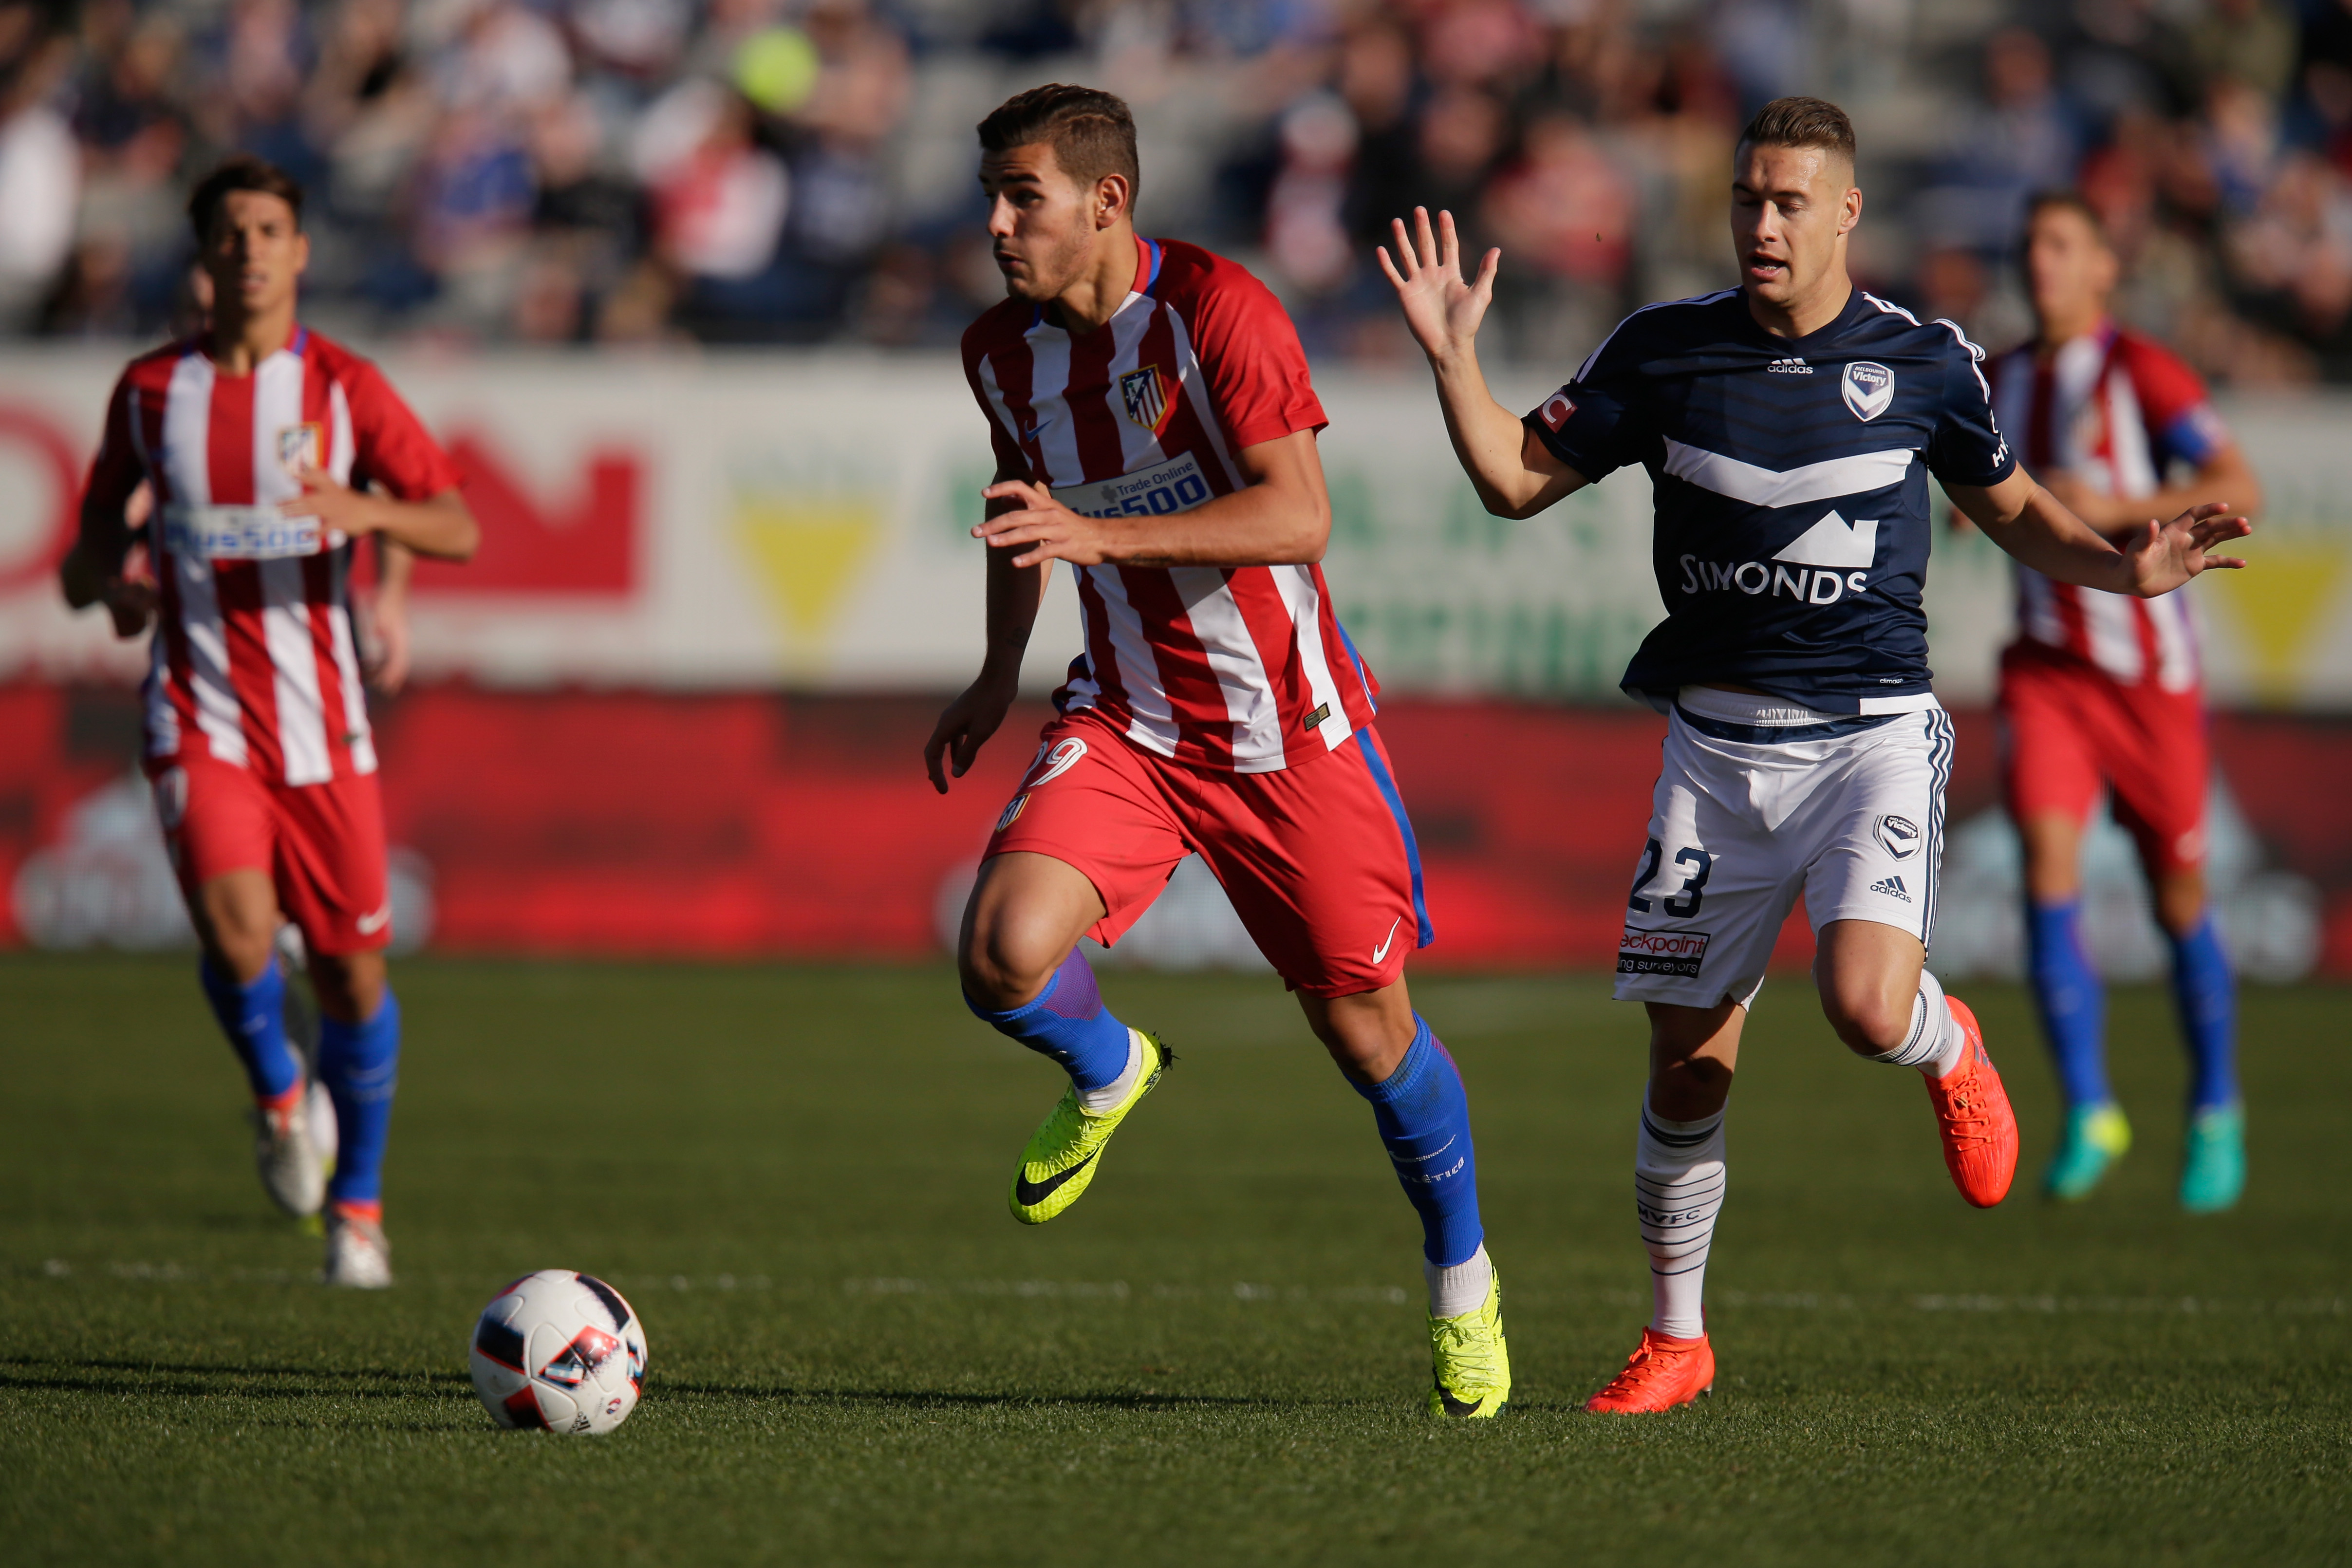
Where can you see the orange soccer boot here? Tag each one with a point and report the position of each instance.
(1972, 1113)
(1662, 1373)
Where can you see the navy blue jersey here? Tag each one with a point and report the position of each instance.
(1790, 480)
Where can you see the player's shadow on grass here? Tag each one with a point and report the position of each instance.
(184, 1380)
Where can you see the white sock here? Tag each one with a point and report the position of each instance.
(1934, 1041)
(1460, 1287)
(1106, 1097)
(1678, 1180)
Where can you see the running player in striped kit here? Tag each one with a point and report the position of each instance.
(260, 452)
(2102, 690)
(1154, 426)
(1789, 426)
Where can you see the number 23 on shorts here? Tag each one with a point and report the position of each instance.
(1683, 903)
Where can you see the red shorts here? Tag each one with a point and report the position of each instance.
(1319, 859)
(2067, 728)
(321, 844)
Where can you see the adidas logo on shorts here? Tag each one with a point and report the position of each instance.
(1893, 888)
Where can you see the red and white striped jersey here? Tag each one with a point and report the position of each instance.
(1239, 667)
(2116, 410)
(253, 658)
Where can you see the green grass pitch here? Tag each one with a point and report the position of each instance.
(798, 1177)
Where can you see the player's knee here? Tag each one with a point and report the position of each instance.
(1362, 1048)
(350, 987)
(1869, 1021)
(2180, 902)
(1005, 961)
(240, 932)
(1689, 1087)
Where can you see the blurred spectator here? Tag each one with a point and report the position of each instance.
(2297, 248)
(2252, 41)
(1307, 236)
(40, 166)
(1564, 212)
(2020, 137)
(719, 197)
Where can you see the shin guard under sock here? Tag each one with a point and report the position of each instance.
(1423, 1116)
(2071, 1001)
(1678, 1184)
(1068, 1023)
(359, 1065)
(253, 1016)
(2207, 994)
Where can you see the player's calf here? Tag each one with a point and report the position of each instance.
(359, 1065)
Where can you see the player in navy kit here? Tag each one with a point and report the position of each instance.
(1789, 426)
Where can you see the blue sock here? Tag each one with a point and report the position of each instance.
(253, 1016)
(1068, 1023)
(2207, 994)
(2073, 1004)
(359, 1065)
(1423, 1116)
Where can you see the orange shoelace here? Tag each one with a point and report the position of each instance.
(1648, 1362)
(1966, 1115)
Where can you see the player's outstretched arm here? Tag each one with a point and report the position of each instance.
(440, 525)
(1514, 474)
(1280, 517)
(2031, 523)
(1014, 593)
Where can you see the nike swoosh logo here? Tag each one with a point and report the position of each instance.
(1380, 953)
(1454, 1406)
(371, 924)
(1029, 1193)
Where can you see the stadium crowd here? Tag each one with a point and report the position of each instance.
(573, 171)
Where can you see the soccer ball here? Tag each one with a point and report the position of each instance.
(559, 1351)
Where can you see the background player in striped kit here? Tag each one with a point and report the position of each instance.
(1154, 426)
(1789, 427)
(266, 451)
(2104, 689)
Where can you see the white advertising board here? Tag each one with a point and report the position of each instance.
(801, 521)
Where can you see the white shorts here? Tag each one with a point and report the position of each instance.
(1747, 814)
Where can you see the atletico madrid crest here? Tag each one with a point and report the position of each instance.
(1145, 396)
(301, 447)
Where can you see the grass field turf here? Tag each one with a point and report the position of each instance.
(797, 1175)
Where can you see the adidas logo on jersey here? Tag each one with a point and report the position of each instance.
(1893, 888)
(1789, 367)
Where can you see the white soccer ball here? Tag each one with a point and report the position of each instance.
(559, 1351)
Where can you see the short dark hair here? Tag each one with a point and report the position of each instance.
(1092, 132)
(1802, 122)
(2071, 201)
(243, 172)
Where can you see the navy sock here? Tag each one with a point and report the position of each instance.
(253, 1016)
(1423, 1115)
(2207, 994)
(1068, 1023)
(2073, 1004)
(359, 1065)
